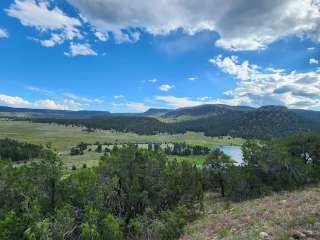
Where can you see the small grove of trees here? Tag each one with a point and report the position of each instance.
(79, 149)
(132, 194)
(182, 149)
(18, 151)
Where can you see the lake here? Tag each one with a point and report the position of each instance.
(233, 151)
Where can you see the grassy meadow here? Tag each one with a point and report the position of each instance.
(62, 138)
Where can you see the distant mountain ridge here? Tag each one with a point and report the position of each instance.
(214, 120)
(55, 113)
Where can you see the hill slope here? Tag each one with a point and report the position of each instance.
(264, 122)
(278, 217)
(214, 120)
(206, 110)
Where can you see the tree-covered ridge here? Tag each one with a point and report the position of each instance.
(262, 123)
(18, 151)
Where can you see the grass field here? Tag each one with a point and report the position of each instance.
(62, 138)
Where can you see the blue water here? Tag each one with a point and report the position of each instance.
(234, 152)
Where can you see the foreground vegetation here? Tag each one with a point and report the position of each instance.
(133, 194)
(141, 194)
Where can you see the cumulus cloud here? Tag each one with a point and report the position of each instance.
(80, 49)
(257, 86)
(165, 87)
(15, 101)
(3, 33)
(241, 25)
(192, 78)
(46, 18)
(313, 61)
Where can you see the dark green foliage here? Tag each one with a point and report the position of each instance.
(274, 166)
(139, 125)
(18, 151)
(137, 194)
(99, 148)
(132, 194)
(215, 170)
(214, 120)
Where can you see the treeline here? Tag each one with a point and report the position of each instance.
(139, 125)
(183, 149)
(177, 149)
(277, 165)
(18, 151)
(133, 194)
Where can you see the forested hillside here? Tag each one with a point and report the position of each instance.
(262, 123)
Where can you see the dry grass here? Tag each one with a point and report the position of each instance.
(278, 215)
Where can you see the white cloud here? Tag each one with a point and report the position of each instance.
(257, 86)
(313, 61)
(206, 98)
(192, 78)
(180, 102)
(50, 104)
(165, 87)
(102, 36)
(177, 102)
(311, 48)
(80, 49)
(82, 100)
(118, 97)
(42, 16)
(131, 106)
(40, 90)
(136, 106)
(15, 101)
(241, 25)
(3, 33)
(153, 80)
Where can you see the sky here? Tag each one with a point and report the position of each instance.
(132, 55)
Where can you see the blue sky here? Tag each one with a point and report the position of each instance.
(128, 56)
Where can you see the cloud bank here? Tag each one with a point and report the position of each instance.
(241, 24)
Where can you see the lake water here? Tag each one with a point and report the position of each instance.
(233, 151)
